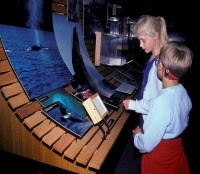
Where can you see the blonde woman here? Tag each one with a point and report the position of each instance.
(151, 32)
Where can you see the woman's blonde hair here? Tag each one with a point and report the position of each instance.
(149, 25)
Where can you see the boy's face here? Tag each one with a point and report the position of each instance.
(159, 69)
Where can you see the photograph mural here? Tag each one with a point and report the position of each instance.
(64, 109)
(33, 53)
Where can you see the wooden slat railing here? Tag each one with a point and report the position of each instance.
(61, 142)
(12, 90)
(43, 128)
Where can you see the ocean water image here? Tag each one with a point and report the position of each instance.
(35, 58)
(63, 97)
(65, 110)
(70, 121)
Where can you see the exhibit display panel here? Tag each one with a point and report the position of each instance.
(35, 59)
(35, 135)
(64, 109)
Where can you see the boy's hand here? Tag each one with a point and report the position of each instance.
(137, 130)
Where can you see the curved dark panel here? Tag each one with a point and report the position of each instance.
(82, 67)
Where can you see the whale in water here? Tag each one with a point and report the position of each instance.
(35, 48)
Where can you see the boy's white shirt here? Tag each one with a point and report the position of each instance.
(167, 118)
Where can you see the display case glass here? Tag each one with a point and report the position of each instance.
(112, 49)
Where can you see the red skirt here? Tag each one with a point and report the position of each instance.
(167, 158)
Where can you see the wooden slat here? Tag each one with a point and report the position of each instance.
(8, 78)
(59, 13)
(106, 72)
(108, 77)
(5, 66)
(92, 57)
(91, 52)
(101, 68)
(11, 90)
(76, 146)
(81, 3)
(103, 151)
(69, 89)
(89, 41)
(34, 119)
(18, 100)
(28, 110)
(61, 145)
(80, 14)
(122, 47)
(115, 82)
(2, 54)
(81, 21)
(88, 150)
(64, 2)
(53, 136)
(90, 47)
(98, 49)
(116, 114)
(59, 8)
(43, 128)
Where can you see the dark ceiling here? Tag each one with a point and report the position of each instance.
(183, 15)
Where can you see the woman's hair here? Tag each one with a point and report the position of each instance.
(149, 25)
(176, 57)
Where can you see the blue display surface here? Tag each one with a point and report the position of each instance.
(35, 58)
(64, 97)
(65, 110)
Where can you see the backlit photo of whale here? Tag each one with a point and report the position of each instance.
(36, 48)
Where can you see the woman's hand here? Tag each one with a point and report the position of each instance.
(126, 103)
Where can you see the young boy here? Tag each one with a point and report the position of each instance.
(168, 116)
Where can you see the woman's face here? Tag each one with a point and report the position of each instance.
(147, 43)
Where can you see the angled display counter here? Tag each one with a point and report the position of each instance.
(26, 131)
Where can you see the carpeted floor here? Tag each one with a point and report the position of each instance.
(126, 164)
